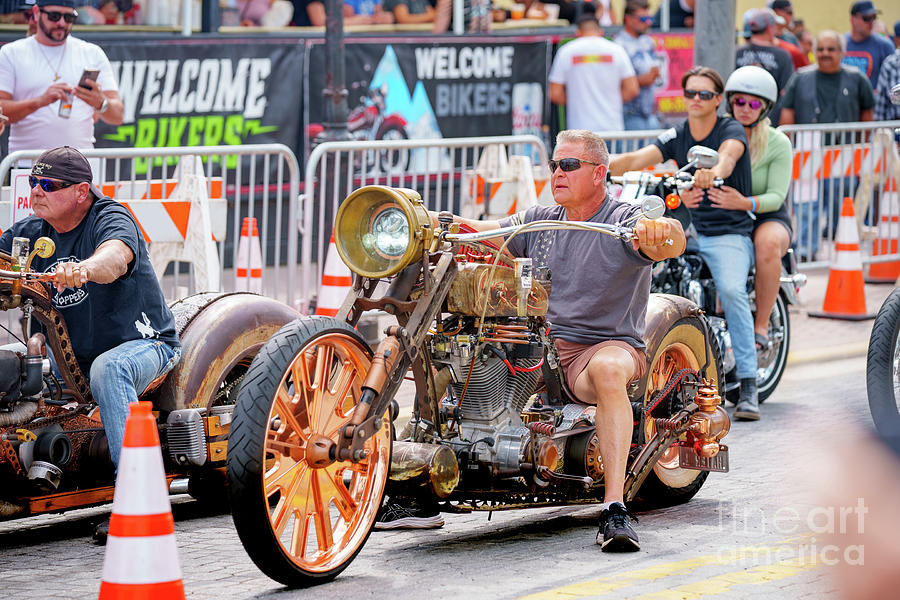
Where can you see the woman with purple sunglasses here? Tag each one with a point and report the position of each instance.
(750, 93)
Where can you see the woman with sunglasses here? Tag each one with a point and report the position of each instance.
(750, 94)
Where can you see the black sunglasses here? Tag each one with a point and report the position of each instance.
(869, 18)
(568, 164)
(48, 185)
(704, 94)
(55, 15)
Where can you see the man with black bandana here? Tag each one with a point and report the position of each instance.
(41, 73)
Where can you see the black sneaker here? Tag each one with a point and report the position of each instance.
(101, 532)
(399, 516)
(616, 533)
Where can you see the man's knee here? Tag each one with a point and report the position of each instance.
(610, 373)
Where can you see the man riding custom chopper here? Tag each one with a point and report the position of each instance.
(599, 337)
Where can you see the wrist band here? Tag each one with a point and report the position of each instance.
(752, 203)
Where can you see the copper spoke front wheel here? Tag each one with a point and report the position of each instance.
(301, 515)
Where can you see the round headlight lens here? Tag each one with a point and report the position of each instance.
(389, 233)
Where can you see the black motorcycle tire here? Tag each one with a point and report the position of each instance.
(766, 386)
(273, 487)
(883, 367)
(669, 484)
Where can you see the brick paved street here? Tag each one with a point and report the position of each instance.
(725, 543)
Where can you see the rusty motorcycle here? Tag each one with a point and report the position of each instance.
(312, 447)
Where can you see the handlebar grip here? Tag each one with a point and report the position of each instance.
(718, 182)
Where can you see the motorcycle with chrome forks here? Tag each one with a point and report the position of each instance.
(494, 425)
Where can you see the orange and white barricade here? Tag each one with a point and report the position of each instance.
(141, 558)
(248, 267)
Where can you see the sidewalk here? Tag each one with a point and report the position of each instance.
(818, 340)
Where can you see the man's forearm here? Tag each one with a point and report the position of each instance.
(17, 110)
(109, 262)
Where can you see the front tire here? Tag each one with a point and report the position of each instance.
(302, 525)
(684, 346)
(883, 367)
(772, 361)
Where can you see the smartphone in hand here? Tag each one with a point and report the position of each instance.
(91, 74)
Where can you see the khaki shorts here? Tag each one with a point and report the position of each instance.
(574, 358)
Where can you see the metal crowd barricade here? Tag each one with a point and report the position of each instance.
(433, 167)
(258, 181)
(834, 161)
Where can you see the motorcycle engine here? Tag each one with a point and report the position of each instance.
(490, 385)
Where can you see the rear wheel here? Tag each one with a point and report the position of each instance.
(303, 524)
(683, 347)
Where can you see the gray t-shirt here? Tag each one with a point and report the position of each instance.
(600, 285)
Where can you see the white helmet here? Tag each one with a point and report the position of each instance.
(755, 81)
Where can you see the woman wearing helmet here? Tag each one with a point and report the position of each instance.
(750, 93)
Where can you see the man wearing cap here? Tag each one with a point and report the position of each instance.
(39, 83)
(784, 38)
(888, 77)
(863, 50)
(123, 333)
(640, 113)
(784, 11)
(761, 50)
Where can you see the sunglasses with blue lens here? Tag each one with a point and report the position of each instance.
(48, 185)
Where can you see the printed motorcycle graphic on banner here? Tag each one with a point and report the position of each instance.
(426, 91)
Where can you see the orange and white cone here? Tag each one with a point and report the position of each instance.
(249, 259)
(887, 236)
(845, 297)
(141, 559)
(337, 280)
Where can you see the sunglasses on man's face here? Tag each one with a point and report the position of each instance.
(646, 19)
(48, 185)
(55, 15)
(568, 164)
(869, 18)
(754, 104)
(704, 94)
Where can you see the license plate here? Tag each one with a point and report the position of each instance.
(688, 459)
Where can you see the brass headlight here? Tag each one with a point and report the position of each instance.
(380, 230)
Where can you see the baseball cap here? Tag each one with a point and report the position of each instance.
(780, 4)
(864, 7)
(64, 3)
(758, 20)
(66, 164)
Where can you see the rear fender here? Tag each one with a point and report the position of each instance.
(221, 332)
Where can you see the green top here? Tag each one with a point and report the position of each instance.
(771, 175)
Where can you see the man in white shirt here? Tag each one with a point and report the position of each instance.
(592, 77)
(41, 87)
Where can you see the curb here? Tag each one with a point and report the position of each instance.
(801, 357)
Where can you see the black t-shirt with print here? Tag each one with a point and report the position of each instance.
(102, 316)
(674, 144)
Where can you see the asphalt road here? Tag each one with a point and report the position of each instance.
(753, 532)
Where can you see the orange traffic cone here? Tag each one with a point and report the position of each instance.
(337, 280)
(845, 297)
(249, 259)
(141, 557)
(887, 236)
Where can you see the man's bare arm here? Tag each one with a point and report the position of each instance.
(633, 161)
(109, 262)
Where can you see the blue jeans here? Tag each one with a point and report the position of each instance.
(729, 258)
(119, 375)
(639, 123)
(810, 231)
